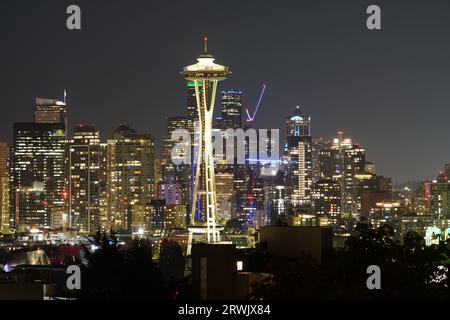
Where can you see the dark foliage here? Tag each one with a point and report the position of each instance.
(126, 273)
(409, 270)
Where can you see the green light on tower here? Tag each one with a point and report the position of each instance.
(191, 84)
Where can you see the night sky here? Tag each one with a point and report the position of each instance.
(388, 90)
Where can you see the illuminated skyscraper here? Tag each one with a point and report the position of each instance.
(439, 205)
(103, 182)
(37, 162)
(192, 109)
(50, 111)
(341, 160)
(298, 125)
(205, 74)
(84, 179)
(4, 189)
(275, 199)
(354, 165)
(231, 109)
(327, 200)
(172, 124)
(224, 187)
(298, 155)
(32, 211)
(130, 159)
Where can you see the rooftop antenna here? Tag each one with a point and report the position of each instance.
(206, 44)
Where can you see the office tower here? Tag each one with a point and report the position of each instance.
(192, 108)
(298, 155)
(4, 189)
(341, 159)
(231, 109)
(177, 174)
(130, 158)
(208, 74)
(421, 201)
(84, 158)
(224, 191)
(240, 181)
(439, 202)
(372, 190)
(298, 125)
(3, 159)
(172, 124)
(103, 188)
(326, 160)
(354, 165)
(170, 171)
(32, 210)
(327, 200)
(275, 199)
(255, 198)
(50, 111)
(38, 164)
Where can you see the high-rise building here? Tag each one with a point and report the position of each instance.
(50, 111)
(274, 200)
(32, 211)
(205, 75)
(255, 199)
(172, 124)
(327, 200)
(298, 125)
(3, 159)
(171, 171)
(224, 190)
(84, 188)
(157, 217)
(345, 162)
(231, 109)
(439, 204)
(298, 155)
(37, 162)
(130, 174)
(103, 186)
(354, 165)
(192, 107)
(4, 189)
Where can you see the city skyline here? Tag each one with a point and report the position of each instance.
(343, 84)
(231, 151)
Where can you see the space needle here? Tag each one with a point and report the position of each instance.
(205, 74)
